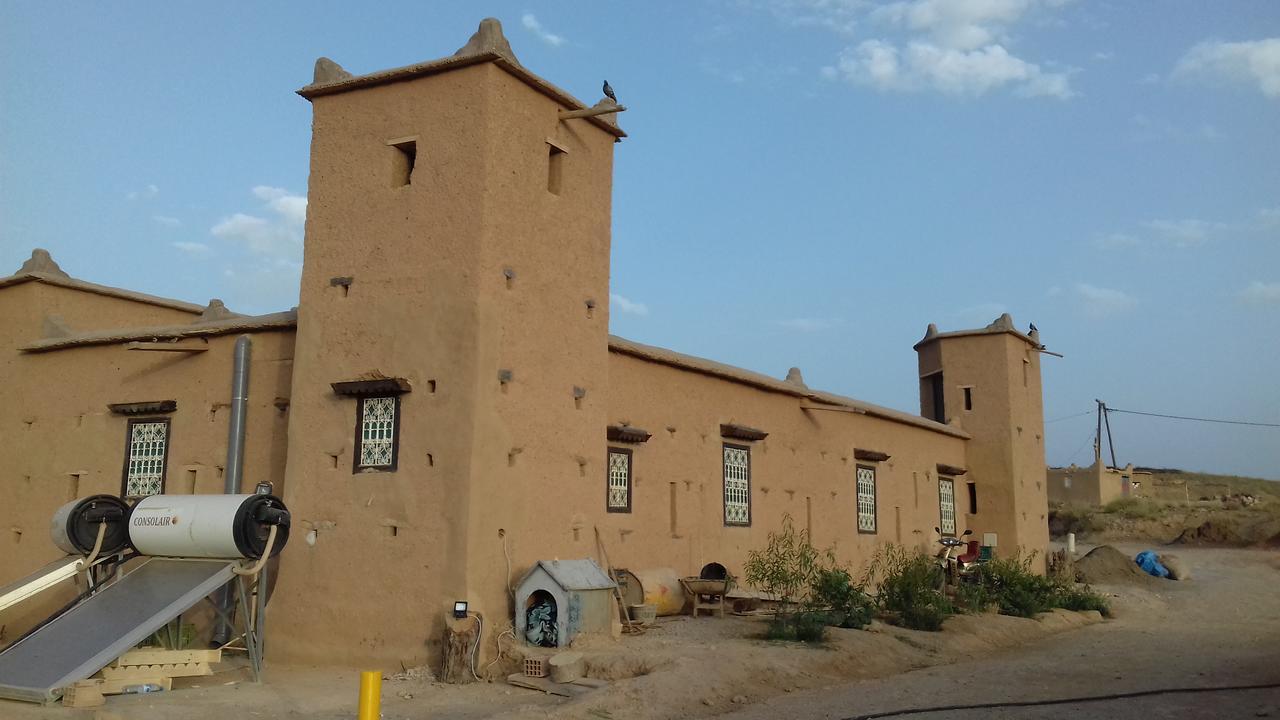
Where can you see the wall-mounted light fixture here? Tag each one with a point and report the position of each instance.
(460, 609)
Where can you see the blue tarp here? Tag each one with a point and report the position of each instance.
(1150, 564)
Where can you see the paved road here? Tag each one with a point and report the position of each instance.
(1222, 628)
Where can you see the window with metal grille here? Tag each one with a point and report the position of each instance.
(377, 433)
(866, 499)
(947, 505)
(145, 456)
(618, 497)
(737, 485)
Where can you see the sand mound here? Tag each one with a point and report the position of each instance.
(1240, 533)
(1107, 565)
(1178, 569)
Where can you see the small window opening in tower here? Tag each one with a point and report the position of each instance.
(555, 168)
(403, 160)
(968, 398)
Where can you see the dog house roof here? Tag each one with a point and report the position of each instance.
(574, 574)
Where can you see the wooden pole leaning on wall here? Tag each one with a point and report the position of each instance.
(592, 111)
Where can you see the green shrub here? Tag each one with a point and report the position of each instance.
(1074, 519)
(1132, 508)
(1072, 597)
(810, 626)
(972, 598)
(845, 604)
(786, 568)
(910, 588)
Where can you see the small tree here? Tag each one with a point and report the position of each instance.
(786, 569)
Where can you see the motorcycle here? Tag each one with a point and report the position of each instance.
(953, 566)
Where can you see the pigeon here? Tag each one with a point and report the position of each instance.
(608, 92)
(1033, 328)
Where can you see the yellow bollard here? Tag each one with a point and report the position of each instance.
(370, 695)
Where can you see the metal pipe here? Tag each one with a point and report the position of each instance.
(234, 472)
(239, 404)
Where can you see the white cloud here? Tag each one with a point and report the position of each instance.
(1103, 56)
(277, 237)
(1184, 233)
(167, 221)
(145, 193)
(956, 47)
(628, 306)
(1255, 62)
(532, 25)
(1261, 293)
(1103, 301)
(809, 325)
(195, 249)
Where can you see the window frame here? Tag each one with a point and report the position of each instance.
(356, 467)
(724, 486)
(942, 517)
(608, 478)
(128, 453)
(875, 499)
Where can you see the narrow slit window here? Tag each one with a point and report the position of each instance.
(973, 499)
(145, 457)
(377, 433)
(737, 485)
(968, 398)
(618, 498)
(403, 161)
(555, 169)
(947, 506)
(866, 477)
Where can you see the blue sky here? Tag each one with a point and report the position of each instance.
(807, 182)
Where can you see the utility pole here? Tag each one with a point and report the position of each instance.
(1104, 416)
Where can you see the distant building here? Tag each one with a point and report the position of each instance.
(446, 406)
(1095, 485)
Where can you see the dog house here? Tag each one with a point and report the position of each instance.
(559, 599)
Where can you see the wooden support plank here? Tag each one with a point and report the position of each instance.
(157, 656)
(593, 111)
(165, 347)
(168, 670)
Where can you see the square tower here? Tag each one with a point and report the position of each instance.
(987, 383)
(447, 406)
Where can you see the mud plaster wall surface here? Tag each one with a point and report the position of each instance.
(1005, 458)
(430, 302)
(62, 442)
(1089, 485)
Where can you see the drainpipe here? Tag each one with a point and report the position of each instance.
(234, 472)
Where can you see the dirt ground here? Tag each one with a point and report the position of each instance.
(1222, 627)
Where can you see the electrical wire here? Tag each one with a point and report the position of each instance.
(1196, 419)
(1068, 417)
(475, 649)
(1062, 701)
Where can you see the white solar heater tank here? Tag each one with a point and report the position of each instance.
(207, 526)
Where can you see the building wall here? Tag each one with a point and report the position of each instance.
(1005, 458)
(1095, 485)
(61, 440)
(473, 272)
(804, 468)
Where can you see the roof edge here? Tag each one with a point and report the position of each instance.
(121, 293)
(255, 323)
(455, 62)
(760, 381)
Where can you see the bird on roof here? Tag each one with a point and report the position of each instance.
(1033, 328)
(608, 91)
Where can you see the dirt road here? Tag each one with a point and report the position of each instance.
(1222, 628)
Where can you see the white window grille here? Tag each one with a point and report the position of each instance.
(377, 432)
(144, 473)
(737, 485)
(619, 496)
(866, 499)
(947, 505)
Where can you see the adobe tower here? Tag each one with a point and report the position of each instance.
(987, 383)
(447, 412)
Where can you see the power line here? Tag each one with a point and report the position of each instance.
(1068, 417)
(1196, 419)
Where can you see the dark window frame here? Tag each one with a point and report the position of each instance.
(356, 467)
(954, 517)
(724, 507)
(968, 398)
(875, 499)
(128, 452)
(631, 469)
